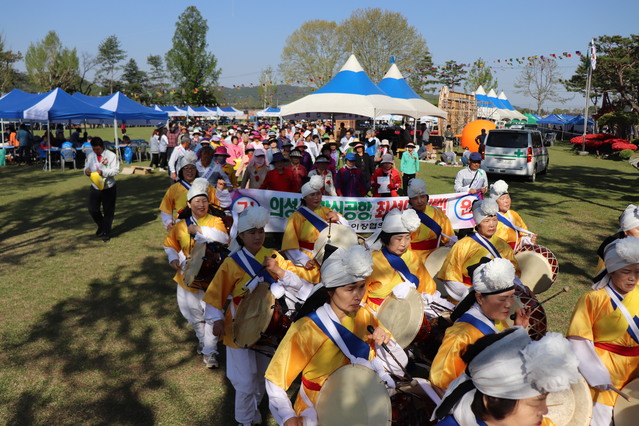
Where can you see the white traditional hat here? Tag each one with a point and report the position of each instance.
(498, 189)
(513, 367)
(397, 221)
(621, 253)
(416, 187)
(496, 276)
(346, 266)
(200, 186)
(314, 185)
(252, 217)
(483, 209)
(629, 219)
(188, 159)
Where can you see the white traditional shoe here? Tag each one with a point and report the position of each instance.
(210, 361)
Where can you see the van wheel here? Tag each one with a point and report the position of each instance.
(545, 170)
(533, 177)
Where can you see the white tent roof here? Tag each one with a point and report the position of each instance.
(349, 92)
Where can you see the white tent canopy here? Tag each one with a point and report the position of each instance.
(349, 92)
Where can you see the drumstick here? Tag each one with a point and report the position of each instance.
(620, 393)
(563, 290)
(371, 330)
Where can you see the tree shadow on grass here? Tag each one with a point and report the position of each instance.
(121, 354)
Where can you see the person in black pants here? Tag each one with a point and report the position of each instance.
(101, 166)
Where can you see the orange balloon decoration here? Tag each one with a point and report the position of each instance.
(472, 130)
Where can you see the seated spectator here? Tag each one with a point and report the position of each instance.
(349, 182)
(386, 180)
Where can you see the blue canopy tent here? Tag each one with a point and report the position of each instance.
(14, 103)
(124, 110)
(269, 112)
(552, 119)
(58, 106)
(173, 111)
(229, 112)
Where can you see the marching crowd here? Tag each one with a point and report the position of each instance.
(328, 298)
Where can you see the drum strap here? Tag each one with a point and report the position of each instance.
(315, 220)
(398, 264)
(185, 184)
(475, 317)
(486, 244)
(250, 265)
(633, 321)
(351, 345)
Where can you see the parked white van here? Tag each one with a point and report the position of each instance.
(518, 152)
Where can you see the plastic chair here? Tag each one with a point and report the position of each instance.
(142, 152)
(67, 155)
(135, 147)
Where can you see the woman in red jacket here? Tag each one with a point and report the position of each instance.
(386, 180)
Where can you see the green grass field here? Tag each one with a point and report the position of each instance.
(90, 332)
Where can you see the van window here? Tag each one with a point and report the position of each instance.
(507, 139)
(536, 140)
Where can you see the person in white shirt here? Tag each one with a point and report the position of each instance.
(346, 140)
(178, 152)
(472, 179)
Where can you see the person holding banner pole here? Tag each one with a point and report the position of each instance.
(510, 227)
(436, 228)
(396, 268)
(304, 226)
(248, 264)
(470, 249)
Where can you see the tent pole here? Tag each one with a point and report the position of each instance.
(49, 146)
(583, 143)
(115, 138)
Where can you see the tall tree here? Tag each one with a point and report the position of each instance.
(480, 75)
(192, 68)
(50, 64)
(135, 79)
(539, 80)
(375, 35)
(617, 70)
(423, 76)
(110, 54)
(451, 74)
(267, 90)
(7, 71)
(312, 53)
(87, 64)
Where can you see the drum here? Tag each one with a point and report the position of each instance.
(539, 267)
(203, 263)
(405, 318)
(259, 320)
(525, 298)
(340, 236)
(626, 413)
(572, 407)
(434, 263)
(353, 395)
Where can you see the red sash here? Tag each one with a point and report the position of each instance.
(306, 245)
(376, 300)
(468, 281)
(424, 245)
(618, 349)
(512, 245)
(311, 385)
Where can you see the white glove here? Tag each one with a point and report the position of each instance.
(277, 289)
(401, 290)
(526, 240)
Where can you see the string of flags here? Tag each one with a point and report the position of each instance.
(439, 69)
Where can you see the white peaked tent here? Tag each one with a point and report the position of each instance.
(514, 114)
(485, 106)
(349, 92)
(395, 86)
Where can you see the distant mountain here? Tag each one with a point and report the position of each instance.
(250, 97)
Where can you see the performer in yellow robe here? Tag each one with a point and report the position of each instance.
(245, 367)
(397, 268)
(303, 226)
(200, 228)
(174, 199)
(435, 229)
(511, 227)
(315, 353)
(604, 328)
(470, 249)
(508, 380)
(628, 227)
(484, 311)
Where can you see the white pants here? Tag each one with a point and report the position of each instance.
(245, 369)
(601, 415)
(192, 309)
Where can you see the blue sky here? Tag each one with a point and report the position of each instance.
(246, 36)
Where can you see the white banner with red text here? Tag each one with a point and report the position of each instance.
(365, 214)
